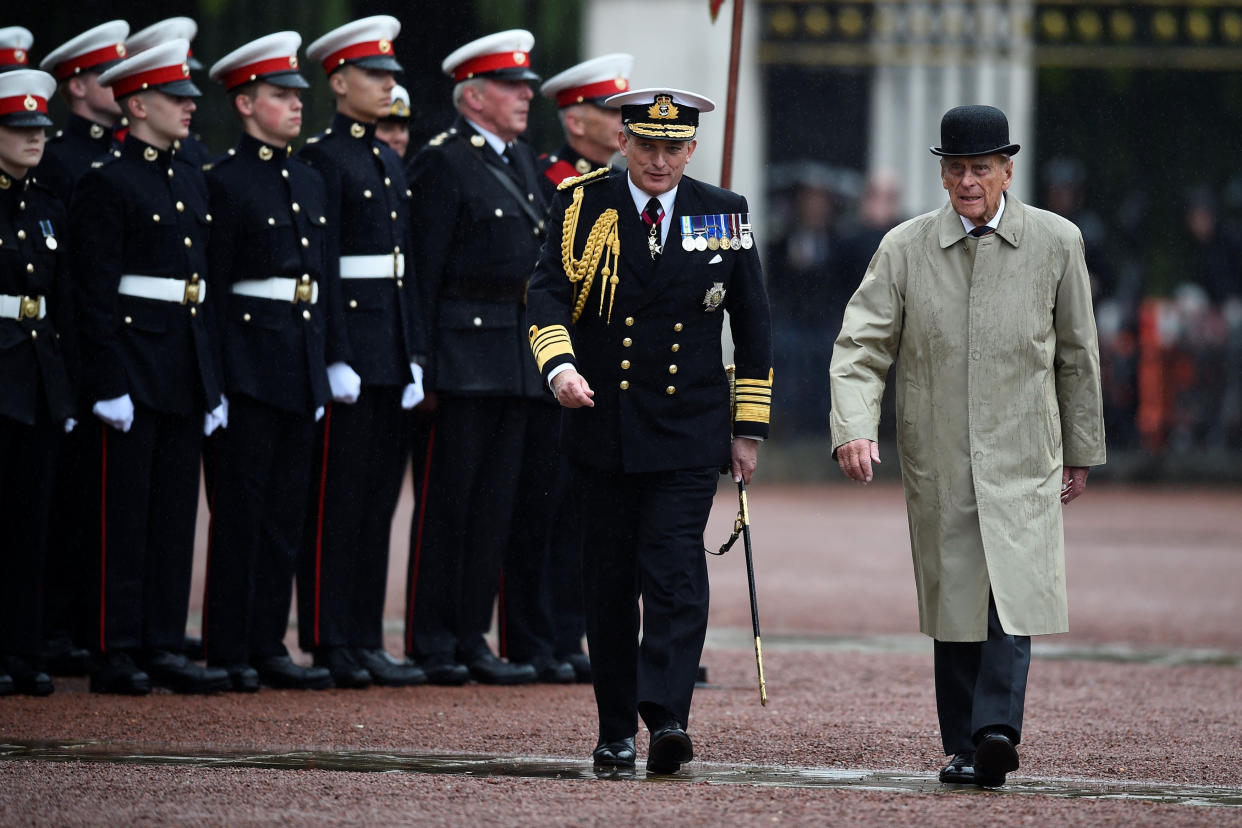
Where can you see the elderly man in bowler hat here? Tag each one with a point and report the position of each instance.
(985, 306)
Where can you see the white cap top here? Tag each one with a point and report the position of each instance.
(103, 44)
(593, 79)
(359, 40)
(15, 43)
(161, 32)
(269, 55)
(24, 94)
(505, 52)
(160, 67)
(648, 95)
(400, 107)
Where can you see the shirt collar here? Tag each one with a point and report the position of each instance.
(641, 198)
(493, 140)
(994, 223)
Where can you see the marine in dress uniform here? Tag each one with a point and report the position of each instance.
(362, 449)
(394, 128)
(478, 224)
(191, 147)
(36, 401)
(142, 221)
(625, 312)
(279, 320)
(15, 43)
(87, 135)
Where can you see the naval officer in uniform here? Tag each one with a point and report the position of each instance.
(625, 312)
(140, 222)
(374, 374)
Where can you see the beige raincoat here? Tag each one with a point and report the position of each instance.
(998, 385)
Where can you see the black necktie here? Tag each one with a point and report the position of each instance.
(982, 231)
(653, 214)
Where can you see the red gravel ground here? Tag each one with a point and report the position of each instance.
(1156, 572)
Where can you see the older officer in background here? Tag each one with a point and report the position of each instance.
(985, 306)
(591, 127)
(189, 148)
(372, 371)
(625, 312)
(140, 222)
(36, 402)
(478, 223)
(280, 323)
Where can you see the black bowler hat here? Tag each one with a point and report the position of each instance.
(974, 130)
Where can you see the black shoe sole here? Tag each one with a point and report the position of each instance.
(957, 778)
(667, 753)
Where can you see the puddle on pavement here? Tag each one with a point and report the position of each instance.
(536, 768)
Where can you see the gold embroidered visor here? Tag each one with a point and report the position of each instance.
(661, 119)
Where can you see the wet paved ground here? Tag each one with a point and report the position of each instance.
(1133, 717)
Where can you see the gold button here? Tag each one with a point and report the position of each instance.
(180, 207)
(170, 174)
(625, 365)
(627, 342)
(208, 217)
(670, 390)
(353, 303)
(21, 234)
(672, 369)
(394, 215)
(676, 347)
(284, 173)
(629, 320)
(478, 321)
(305, 242)
(129, 320)
(387, 181)
(297, 208)
(677, 327)
(499, 213)
(245, 317)
(375, 150)
(194, 311)
(155, 217)
(305, 278)
(625, 384)
(30, 268)
(306, 315)
(400, 283)
(34, 334)
(397, 249)
(188, 242)
(271, 220)
(366, 193)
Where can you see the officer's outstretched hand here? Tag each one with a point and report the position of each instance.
(744, 458)
(571, 390)
(856, 457)
(117, 412)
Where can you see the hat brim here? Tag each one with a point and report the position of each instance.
(1008, 149)
(663, 132)
(286, 80)
(194, 63)
(384, 63)
(518, 73)
(181, 88)
(25, 119)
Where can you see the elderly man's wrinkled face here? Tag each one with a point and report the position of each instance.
(975, 184)
(656, 166)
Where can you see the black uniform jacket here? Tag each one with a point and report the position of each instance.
(476, 245)
(69, 155)
(557, 166)
(269, 219)
(661, 390)
(368, 214)
(33, 263)
(143, 212)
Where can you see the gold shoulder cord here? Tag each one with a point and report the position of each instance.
(603, 242)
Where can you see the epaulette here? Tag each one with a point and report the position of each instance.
(593, 175)
(437, 140)
(315, 139)
(107, 159)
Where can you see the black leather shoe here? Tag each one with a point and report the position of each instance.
(62, 658)
(552, 671)
(346, 672)
(27, 678)
(6, 684)
(960, 770)
(444, 671)
(180, 675)
(615, 754)
(582, 666)
(995, 756)
(387, 671)
(670, 746)
(485, 668)
(193, 649)
(242, 677)
(281, 672)
(115, 672)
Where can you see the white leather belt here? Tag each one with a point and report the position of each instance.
(22, 307)
(278, 288)
(163, 289)
(381, 266)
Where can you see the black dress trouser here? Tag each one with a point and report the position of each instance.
(27, 465)
(643, 537)
(981, 684)
(261, 465)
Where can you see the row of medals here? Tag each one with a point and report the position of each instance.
(714, 237)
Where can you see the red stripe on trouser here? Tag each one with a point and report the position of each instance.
(418, 542)
(103, 539)
(323, 486)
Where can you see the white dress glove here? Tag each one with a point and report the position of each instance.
(218, 417)
(345, 383)
(319, 413)
(413, 394)
(70, 424)
(117, 412)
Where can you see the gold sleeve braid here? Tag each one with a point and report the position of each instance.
(549, 342)
(754, 399)
(602, 242)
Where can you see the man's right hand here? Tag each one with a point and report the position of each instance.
(571, 390)
(117, 412)
(345, 383)
(856, 457)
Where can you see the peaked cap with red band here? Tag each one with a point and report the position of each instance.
(367, 43)
(15, 43)
(23, 98)
(162, 32)
(272, 59)
(97, 49)
(590, 81)
(504, 56)
(163, 68)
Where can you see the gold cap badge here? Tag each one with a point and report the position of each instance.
(30, 103)
(662, 108)
(385, 47)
